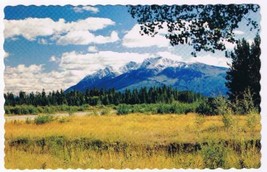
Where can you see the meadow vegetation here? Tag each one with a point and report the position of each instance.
(192, 132)
(134, 141)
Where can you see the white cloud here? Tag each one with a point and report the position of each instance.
(91, 62)
(80, 9)
(33, 78)
(102, 39)
(76, 37)
(31, 28)
(172, 56)
(91, 23)
(85, 37)
(210, 60)
(54, 59)
(74, 66)
(133, 39)
(92, 49)
(228, 45)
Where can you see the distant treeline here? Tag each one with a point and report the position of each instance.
(96, 96)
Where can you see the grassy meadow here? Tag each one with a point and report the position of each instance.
(136, 140)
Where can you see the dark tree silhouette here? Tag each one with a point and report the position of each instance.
(244, 73)
(106, 97)
(205, 27)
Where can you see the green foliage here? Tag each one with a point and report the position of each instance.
(213, 155)
(42, 119)
(96, 97)
(244, 105)
(205, 108)
(219, 19)
(243, 76)
(21, 109)
(30, 109)
(222, 106)
(214, 106)
(177, 108)
(173, 108)
(124, 109)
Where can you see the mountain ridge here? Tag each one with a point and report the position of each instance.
(197, 77)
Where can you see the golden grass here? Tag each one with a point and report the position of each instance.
(133, 129)
(137, 128)
(18, 159)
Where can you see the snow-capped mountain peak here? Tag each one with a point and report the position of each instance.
(101, 73)
(160, 63)
(197, 77)
(155, 63)
(129, 67)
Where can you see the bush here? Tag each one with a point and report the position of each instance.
(213, 155)
(42, 119)
(124, 109)
(222, 106)
(205, 108)
(214, 106)
(176, 108)
(245, 105)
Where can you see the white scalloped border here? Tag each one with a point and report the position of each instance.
(263, 35)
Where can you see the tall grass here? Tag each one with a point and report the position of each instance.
(84, 153)
(169, 141)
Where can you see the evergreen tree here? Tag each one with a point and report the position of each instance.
(244, 73)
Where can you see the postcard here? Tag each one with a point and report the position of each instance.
(177, 85)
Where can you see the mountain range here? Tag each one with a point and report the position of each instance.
(197, 77)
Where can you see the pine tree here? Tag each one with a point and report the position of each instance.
(244, 72)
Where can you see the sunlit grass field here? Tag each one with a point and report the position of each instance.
(134, 141)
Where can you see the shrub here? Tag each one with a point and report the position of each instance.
(245, 105)
(42, 119)
(213, 155)
(176, 108)
(205, 108)
(123, 109)
(221, 106)
(214, 106)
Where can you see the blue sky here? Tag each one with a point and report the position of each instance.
(53, 47)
